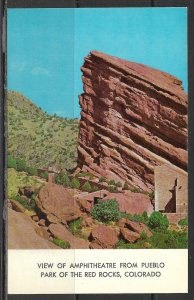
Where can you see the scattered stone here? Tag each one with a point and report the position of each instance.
(134, 226)
(41, 222)
(35, 218)
(42, 231)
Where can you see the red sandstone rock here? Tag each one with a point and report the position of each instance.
(104, 236)
(133, 118)
(85, 205)
(137, 227)
(57, 203)
(132, 203)
(60, 231)
(129, 236)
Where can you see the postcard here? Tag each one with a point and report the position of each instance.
(97, 150)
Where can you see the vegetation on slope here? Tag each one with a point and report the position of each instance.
(42, 140)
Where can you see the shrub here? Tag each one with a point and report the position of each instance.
(44, 175)
(76, 226)
(183, 222)
(112, 189)
(21, 165)
(106, 211)
(75, 183)
(118, 184)
(111, 182)
(28, 205)
(11, 162)
(102, 179)
(61, 243)
(126, 186)
(95, 188)
(158, 221)
(151, 195)
(85, 174)
(136, 190)
(32, 171)
(86, 187)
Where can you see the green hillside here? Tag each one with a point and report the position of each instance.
(40, 139)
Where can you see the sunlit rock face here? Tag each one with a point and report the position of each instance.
(133, 118)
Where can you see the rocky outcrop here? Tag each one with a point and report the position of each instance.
(133, 118)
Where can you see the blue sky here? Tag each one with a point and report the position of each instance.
(46, 48)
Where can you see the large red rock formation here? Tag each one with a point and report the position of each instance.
(133, 118)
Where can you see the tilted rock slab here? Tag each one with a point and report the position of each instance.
(133, 118)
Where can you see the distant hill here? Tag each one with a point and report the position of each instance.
(39, 138)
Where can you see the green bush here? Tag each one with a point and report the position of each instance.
(136, 190)
(111, 182)
(61, 243)
(112, 189)
(126, 186)
(11, 162)
(102, 179)
(44, 175)
(158, 221)
(86, 187)
(118, 184)
(95, 188)
(31, 171)
(75, 183)
(85, 174)
(63, 179)
(106, 211)
(151, 195)
(76, 227)
(183, 222)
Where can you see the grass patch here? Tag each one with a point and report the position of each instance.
(62, 244)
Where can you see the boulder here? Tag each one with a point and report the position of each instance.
(85, 205)
(57, 203)
(41, 222)
(134, 226)
(129, 236)
(60, 231)
(131, 203)
(104, 236)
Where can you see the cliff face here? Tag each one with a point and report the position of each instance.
(133, 118)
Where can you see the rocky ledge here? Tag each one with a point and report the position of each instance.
(133, 118)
